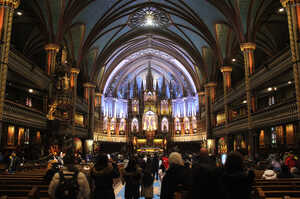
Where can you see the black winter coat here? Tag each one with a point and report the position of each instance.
(103, 179)
(176, 179)
(238, 185)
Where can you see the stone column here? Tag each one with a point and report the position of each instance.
(201, 98)
(89, 94)
(210, 93)
(52, 50)
(7, 8)
(73, 84)
(226, 70)
(292, 8)
(98, 100)
(248, 51)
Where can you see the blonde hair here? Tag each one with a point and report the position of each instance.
(175, 158)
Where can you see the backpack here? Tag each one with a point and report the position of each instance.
(67, 188)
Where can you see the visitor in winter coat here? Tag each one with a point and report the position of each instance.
(177, 178)
(147, 181)
(103, 174)
(237, 181)
(131, 177)
(68, 171)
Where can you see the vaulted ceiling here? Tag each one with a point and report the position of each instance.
(203, 35)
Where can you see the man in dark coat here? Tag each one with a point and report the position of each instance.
(206, 177)
(155, 166)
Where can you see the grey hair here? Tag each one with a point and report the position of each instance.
(175, 158)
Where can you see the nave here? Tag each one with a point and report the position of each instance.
(120, 189)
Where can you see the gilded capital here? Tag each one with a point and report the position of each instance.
(226, 69)
(98, 94)
(12, 3)
(89, 85)
(49, 47)
(75, 70)
(201, 93)
(210, 84)
(248, 46)
(285, 2)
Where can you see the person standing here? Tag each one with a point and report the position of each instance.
(236, 179)
(155, 166)
(147, 181)
(103, 174)
(69, 183)
(131, 177)
(12, 166)
(177, 179)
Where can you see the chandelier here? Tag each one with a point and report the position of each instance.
(149, 17)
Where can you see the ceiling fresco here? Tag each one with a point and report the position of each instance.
(199, 36)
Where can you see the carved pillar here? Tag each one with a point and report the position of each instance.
(73, 84)
(201, 97)
(226, 70)
(98, 100)
(89, 94)
(248, 50)
(210, 94)
(293, 13)
(52, 50)
(7, 8)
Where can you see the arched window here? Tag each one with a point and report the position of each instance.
(122, 124)
(135, 125)
(177, 125)
(186, 123)
(194, 123)
(105, 125)
(150, 121)
(165, 125)
(112, 125)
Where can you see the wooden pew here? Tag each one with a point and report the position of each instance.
(279, 188)
(19, 186)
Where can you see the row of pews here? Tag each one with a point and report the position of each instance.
(24, 185)
(284, 188)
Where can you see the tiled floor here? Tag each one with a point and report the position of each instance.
(119, 191)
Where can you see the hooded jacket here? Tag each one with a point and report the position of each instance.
(84, 187)
(103, 177)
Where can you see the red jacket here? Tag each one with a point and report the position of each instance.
(165, 162)
(290, 162)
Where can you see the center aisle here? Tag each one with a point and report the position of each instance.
(120, 190)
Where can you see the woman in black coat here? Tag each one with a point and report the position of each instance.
(236, 179)
(131, 177)
(103, 174)
(177, 179)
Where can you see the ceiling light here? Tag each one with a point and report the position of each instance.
(245, 102)
(289, 82)
(149, 19)
(281, 10)
(19, 13)
(275, 88)
(270, 89)
(233, 60)
(30, 90)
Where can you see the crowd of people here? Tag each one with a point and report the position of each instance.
(182, 176)
(188, 177)
(286, 165)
